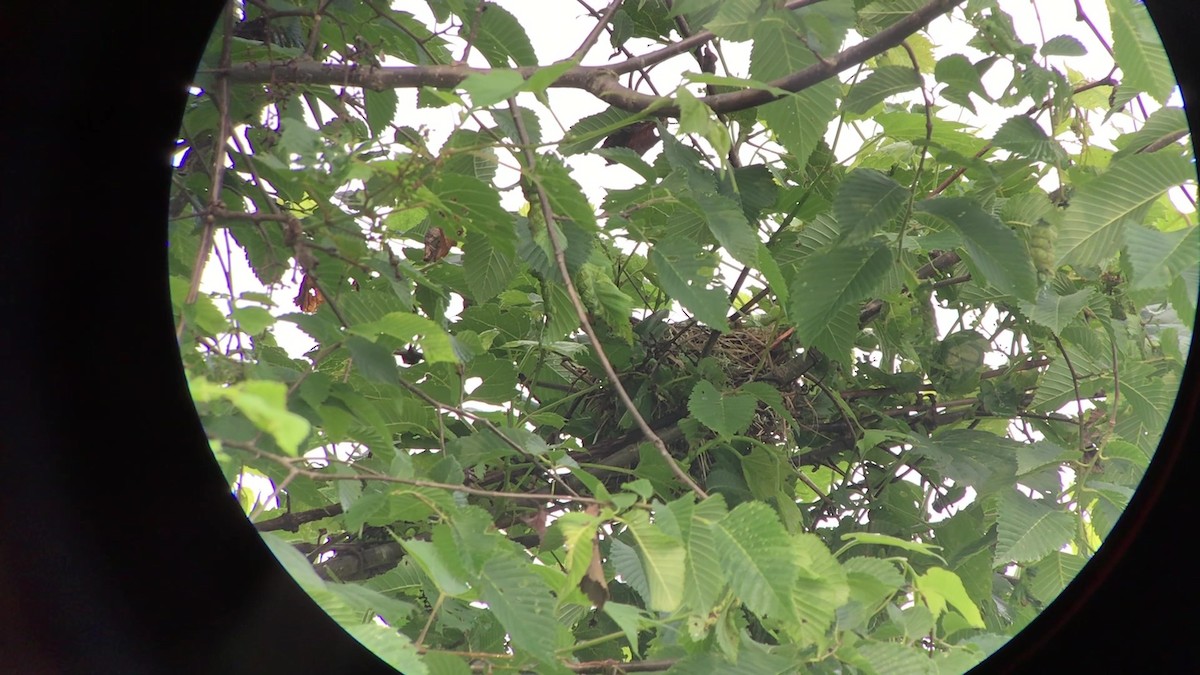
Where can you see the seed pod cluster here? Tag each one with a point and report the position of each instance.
(1042, 237)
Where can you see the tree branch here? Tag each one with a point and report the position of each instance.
(600, 81)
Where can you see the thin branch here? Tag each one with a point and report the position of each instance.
(291, 462)
(591, 38)
(912, 190)
(581, 313)
(601, 81)
(1080, 15)
(1074, 383)
(520, 450)
(218, 167)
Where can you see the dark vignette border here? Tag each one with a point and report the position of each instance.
(103, 571)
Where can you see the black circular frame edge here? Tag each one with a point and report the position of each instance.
(122, 551)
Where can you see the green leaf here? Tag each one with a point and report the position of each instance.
(941, 586)
(578, 530)
(446, 574)
(390, 645)
(827, 284)
(499, 36)
(1063, 45)
(434, 341)
(726, 414)
(1055, 311)
(1159, 257)
(758, 558)
(1139, 50)
(1051, 574)
(995, 251)
(474, 204)
(866, 201)
(735, 19)
(263, 402)
(1030, 529)
(1163, 124)
(1022, 135)
(821, 587)
(695, 117)
(491, 87)
(381, 109)
(884, 82)
(983, 460)
(253, 320)
(684, 272)
(962, 78)
(488, 268)
(877, 539)
(705, 580)
(798, 121)
(628, 618)
(662, 558)
(1093, 226)
(566, 197)
(890, 658)
(590, 130)
(522, 603)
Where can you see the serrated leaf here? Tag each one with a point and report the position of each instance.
(662, 558)
(447, 575)
(878, 539)
(1063, 45)
(264, 403)
(1158, 257)
(381, 109)
(473, 203)
(566, 197)
(726, 414)
(1139, 50)
(1022, 135)
(961, 78)
(821, 587)
(578, 530)
(491, 87)
(520, 600)
(705, 580)
(487, 268)
(1028, 529)
(941, 586)
(590, 130)
(1055, 311)
(994, 250)
(390, 645)
(1093, 226)
(799, 120)
(983, 460)
(1051, 574)
(679, 264)
(865, 202)
(890, 658)
(628, 618)
(1163, 124)
(882, 83)
(758, 558)
(433, 339)
(825, 285)
(500, 36)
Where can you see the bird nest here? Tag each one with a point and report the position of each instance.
(736, 357)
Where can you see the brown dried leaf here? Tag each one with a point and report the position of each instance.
(309, 298)
(437, 244)
(593, 584)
